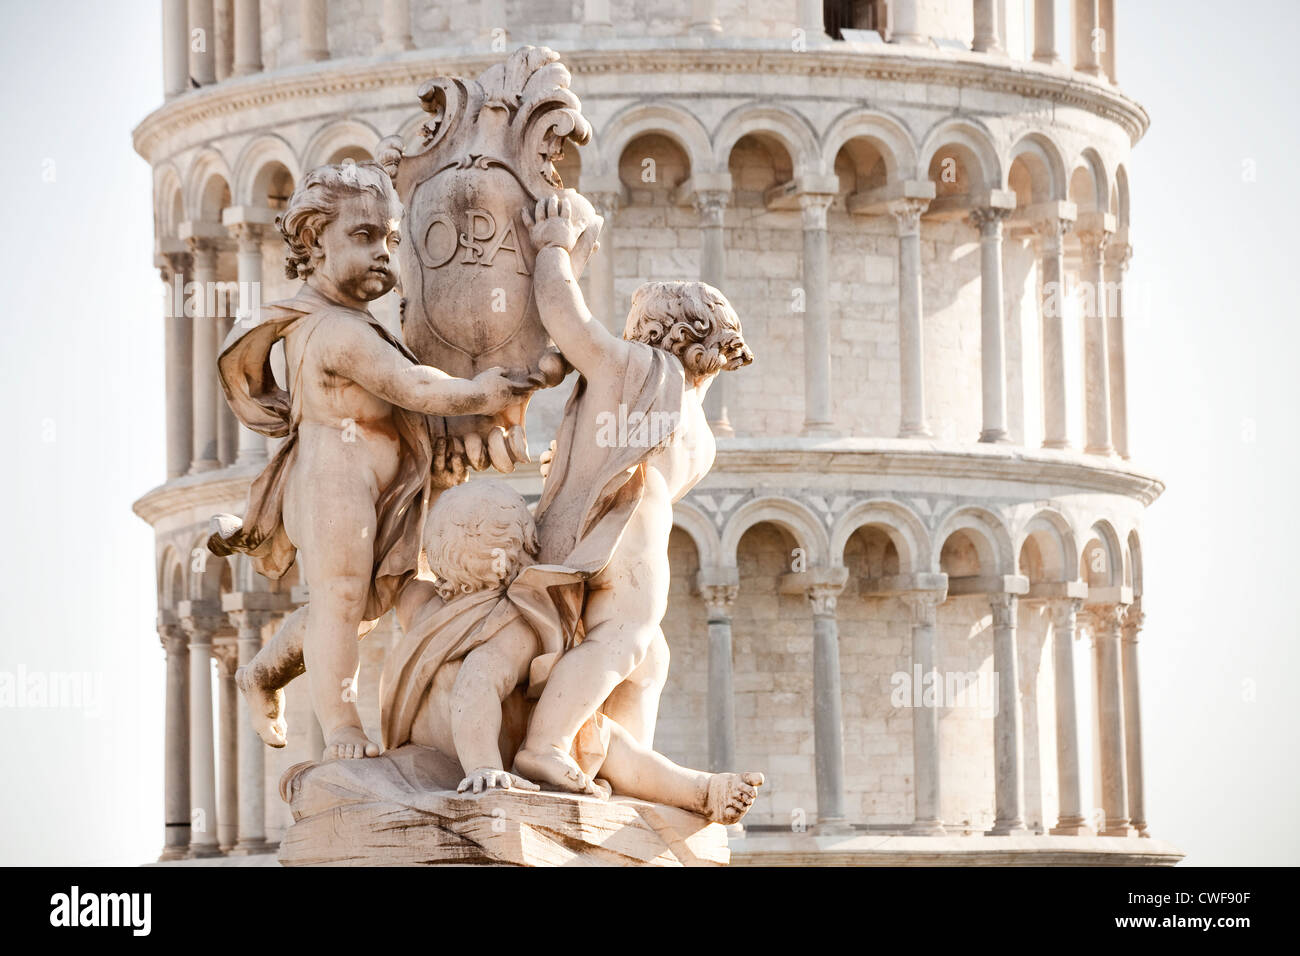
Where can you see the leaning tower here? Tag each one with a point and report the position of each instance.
(910, 591)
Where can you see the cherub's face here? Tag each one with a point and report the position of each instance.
(355, 252)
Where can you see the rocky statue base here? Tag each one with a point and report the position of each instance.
(402, 809)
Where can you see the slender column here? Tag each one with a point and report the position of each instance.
(988, 31)
(1117, 258)
(1104, 620)
(1052, 307)
(704, 17)
(1086, 20)
(203, 782)
(1070, 819)
(313, 32)
(224, 51)
(601, 265)
(248, 37)
(202, 42)
(925, 718)
(178, 344)
(1096, 353)
(828, 717)
(397, 26)
(711, 206)
(1106, 18)
(816, 321)
(251, 750)
(251, 445)
(203, 456)
(719, 589)
(176, 746)
(911, 348)
(227, 654)
(227, 424)
(904, 24)
(993, 357)
(176, 47)
(1007, 732)
(1045, 32)
(1133, 719)
(812, 19)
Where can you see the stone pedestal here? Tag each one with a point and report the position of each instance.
(401, 809)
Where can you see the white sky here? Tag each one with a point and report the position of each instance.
(1213, 381)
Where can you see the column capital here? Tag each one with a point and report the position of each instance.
(200, 619)
(226, 652)
(813, 206)
(988, 220)
(710, 205)
(1118, 254)
(719, 599)
(824, 587)
(1051, 232)
(907, 211)
(247, 234)
(1003, 604)
(1133, 621)
(170, 633)
(171, 264)
(606, 202)
(1064, 611)
(924, 606)
(1105, 620)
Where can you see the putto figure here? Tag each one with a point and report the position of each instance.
(347, 491)
(607, 507)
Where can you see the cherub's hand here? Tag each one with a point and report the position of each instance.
(544, 462)
(486, 778)
(552, 224)
(494, 390)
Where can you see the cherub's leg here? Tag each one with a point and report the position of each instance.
(335, 544)
(637, 771)
(262, 680)
(634, 704)
(581, 681)
(487, 676)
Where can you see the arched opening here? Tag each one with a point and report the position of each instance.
(682, 731)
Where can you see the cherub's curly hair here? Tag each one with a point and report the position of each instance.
(693, 321)
(315, 204)
(478, 535)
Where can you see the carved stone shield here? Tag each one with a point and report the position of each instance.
(466, 261)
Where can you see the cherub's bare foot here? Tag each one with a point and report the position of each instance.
(554, 770)
(485, 778)
(349, 743)
(730, 795)
(265, 708)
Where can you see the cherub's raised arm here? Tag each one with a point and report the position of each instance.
(585, 342)
(358, 354)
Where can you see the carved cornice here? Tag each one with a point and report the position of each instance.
(347, 78)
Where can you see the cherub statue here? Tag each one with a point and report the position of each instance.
(455, 682)
(607, 505)
(347, 490)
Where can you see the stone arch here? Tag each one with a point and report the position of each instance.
(1121, 196)
(1054, 542)
(792, 516)
(1088, 187)
(168, 201)
(254, 164)
(887, 134)
(973, 143)
(1133, 563)
(1044, 163)
(904, 529)
(646, 117)
(701, 530)
(207, 584)
(171, 578)
(986, 531)
(786, 126)
(1102, 540)
(335, 138)
(209, 179)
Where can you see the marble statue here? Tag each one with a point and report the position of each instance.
(346, 491)
(518, 707)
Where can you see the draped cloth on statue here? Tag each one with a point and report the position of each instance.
(265, 407)
(590, 495)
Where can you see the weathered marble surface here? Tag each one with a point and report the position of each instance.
(401, 809)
